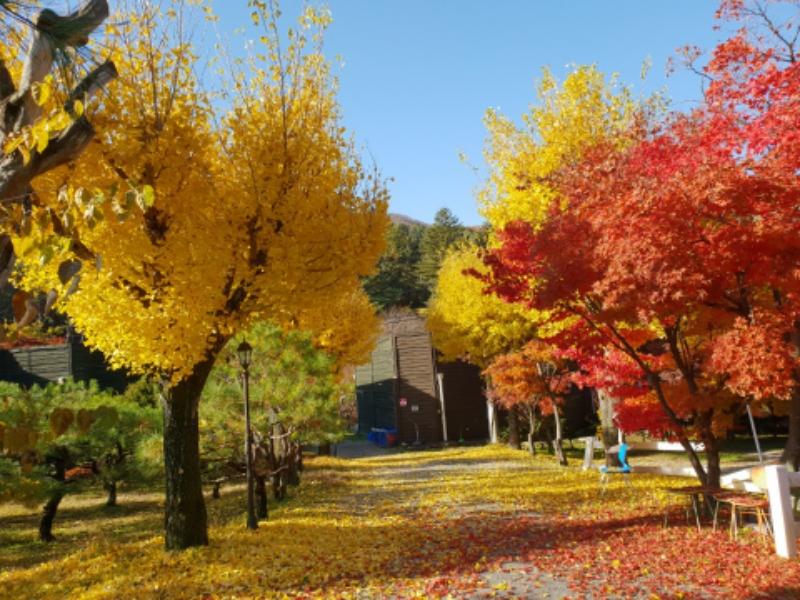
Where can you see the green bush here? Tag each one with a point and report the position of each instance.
(65, 437)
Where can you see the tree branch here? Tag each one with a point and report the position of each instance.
(52, 32)
(6, 83)
(92, 83)
(15, 177)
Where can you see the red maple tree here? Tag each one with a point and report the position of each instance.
(679, 251)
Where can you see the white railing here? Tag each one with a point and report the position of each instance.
(787, 530)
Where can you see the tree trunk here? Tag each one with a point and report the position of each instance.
(111, 488)
(713, 471)
(48, 515)
(279, 481)
(494, 425)
(293, 474)
(185, 511)
(531, 433)
(277, 462)
(557, 444)
(300, 465)
(680, 432)
(215, 491)
(513, 430)
(791, 453)
(262, 510)
(610, 434)
(325, 449)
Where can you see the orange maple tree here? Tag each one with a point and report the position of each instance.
(532, 379)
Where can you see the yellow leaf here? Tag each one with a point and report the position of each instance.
(12, 144)
(26, 154)
(41, 92)
(41, 136)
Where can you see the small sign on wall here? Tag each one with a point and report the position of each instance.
(403, 402)
(415, 408)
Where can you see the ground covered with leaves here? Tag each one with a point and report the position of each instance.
(463, 522)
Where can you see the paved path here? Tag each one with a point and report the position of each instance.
(360, 449)
(484, 523)
(510, 579)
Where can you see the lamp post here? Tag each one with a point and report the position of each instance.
(245, 353)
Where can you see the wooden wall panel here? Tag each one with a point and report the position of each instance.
(375, 389)
(465, 402)
(416, 385)
(42, 364)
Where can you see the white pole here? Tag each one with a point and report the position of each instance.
(440, 379)
(588, 453)
(755, 433)
(492, 412)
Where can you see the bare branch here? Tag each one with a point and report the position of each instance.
(6, 83)
(93, 83)
(53, 31)
(16, 177)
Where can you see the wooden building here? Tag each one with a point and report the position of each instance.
(399, 388)
(39, 365)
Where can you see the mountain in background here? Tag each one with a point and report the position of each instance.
(398, 219)
(407, 271)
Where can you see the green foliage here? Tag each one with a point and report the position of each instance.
(143, 392)
(292, 383)
(409, 266)
(45, 432)
(396, 282)
(444, 233)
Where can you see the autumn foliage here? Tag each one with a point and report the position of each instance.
(197, 214)
(675, 242)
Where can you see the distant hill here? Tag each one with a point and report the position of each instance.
(399, 219)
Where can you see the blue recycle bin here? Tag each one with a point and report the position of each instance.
(385, 438)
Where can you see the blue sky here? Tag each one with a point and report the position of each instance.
(418, 75)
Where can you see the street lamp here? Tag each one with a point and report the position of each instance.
(245, 354)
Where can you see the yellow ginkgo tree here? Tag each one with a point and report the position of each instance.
(465, 323)
(570, 116)
(191, 223)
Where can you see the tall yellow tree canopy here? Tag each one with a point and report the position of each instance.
(191, 224)
(346, 328)
(586, 108)
(192, 216)
(468, 324)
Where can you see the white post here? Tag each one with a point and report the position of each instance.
(440, 379)
(588, 454)
(780, 507)
(492, 411)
